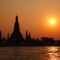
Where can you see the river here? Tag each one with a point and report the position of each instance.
(30, 53)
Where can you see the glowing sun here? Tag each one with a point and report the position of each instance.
(52, 22)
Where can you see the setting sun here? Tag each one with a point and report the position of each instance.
(52, 21)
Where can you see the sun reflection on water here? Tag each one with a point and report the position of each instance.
(52, 52)
(52, 49)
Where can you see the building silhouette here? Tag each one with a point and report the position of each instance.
(16, 37)
(47, 41)
(0, 35)
(2, 40)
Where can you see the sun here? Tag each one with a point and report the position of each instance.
(52, 21)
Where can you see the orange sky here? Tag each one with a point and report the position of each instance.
(33, 16)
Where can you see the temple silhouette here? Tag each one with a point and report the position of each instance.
(16, 39)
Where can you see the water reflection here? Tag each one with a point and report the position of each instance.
(30, 53)
(52, 52)
(53, 56)
(52, 49)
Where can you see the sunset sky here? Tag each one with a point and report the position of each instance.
(34, 16)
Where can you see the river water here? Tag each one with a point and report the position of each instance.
(30, 53)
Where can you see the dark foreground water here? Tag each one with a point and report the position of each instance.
(30, 53)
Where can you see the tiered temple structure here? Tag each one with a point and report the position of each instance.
(16, 36)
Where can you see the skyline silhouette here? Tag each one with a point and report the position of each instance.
(34, 16)
(16, 38)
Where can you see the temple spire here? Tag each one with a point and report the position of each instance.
(16, 18)
(16, 25)
(16, 36)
